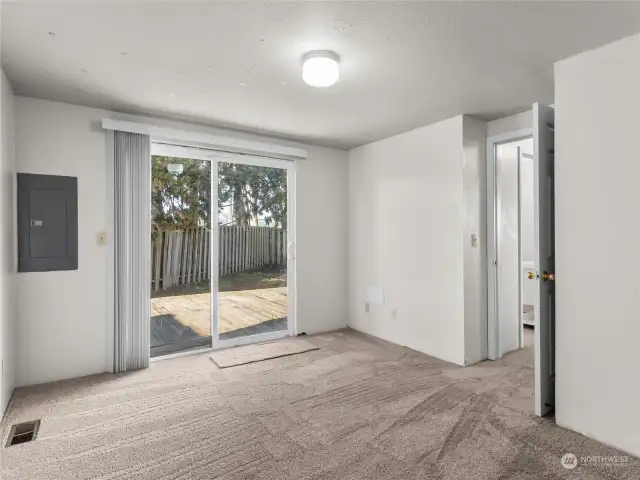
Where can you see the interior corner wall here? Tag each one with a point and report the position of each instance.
(63, 320)
(406, 259)
(8, 255)
(475, 224)
(597, 174)
(321, 240)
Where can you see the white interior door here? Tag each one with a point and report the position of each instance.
(544, 258)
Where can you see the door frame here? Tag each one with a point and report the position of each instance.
(493, 330)
(215, 156)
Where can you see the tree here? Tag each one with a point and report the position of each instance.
(253, 191)
(180, 201)
(184, 200)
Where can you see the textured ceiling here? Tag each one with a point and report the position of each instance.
(237, 64)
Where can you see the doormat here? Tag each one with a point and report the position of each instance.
(232, 357)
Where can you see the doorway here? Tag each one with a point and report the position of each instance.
(222, 249)
(521, 249)
(515, 309)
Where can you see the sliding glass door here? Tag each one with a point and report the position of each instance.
(222, 249)
(253, 287)
(181, 273)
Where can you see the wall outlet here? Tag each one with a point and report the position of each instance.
(367, 308)
(474, 239)
(394, 313)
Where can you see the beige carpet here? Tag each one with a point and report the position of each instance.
(232, 357)
(356, 409)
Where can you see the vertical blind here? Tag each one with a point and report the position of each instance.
(132, 233)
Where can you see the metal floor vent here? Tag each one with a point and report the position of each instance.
(23, 432)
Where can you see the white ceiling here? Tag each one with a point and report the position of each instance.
(237, 64)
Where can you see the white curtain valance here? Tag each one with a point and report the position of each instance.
(206, 140)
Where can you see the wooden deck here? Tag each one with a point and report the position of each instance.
(183, 317)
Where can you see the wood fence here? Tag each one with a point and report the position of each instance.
(180, 257)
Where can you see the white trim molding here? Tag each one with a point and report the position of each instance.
(206, 140)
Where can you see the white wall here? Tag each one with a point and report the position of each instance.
(62, 325)
(513, 123)
(597, 178)
(63, 329)
(8, 255)
(409, 234)
(475, 222)
(321, 224)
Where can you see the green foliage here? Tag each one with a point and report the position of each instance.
(253, 191)
(180, 201)
(183, 201)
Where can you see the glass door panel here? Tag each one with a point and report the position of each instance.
(181, 255)
(253, 293)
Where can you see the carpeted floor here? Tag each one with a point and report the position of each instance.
(356, 409)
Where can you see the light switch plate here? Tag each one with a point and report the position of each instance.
(101, 238)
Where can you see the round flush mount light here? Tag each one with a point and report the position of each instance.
(320, 68)
(175, 168)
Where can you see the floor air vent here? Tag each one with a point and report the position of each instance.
(23, 432)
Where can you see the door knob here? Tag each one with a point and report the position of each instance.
(548, 277)
(532, 275)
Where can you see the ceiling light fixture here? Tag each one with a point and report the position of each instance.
(320, 68)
